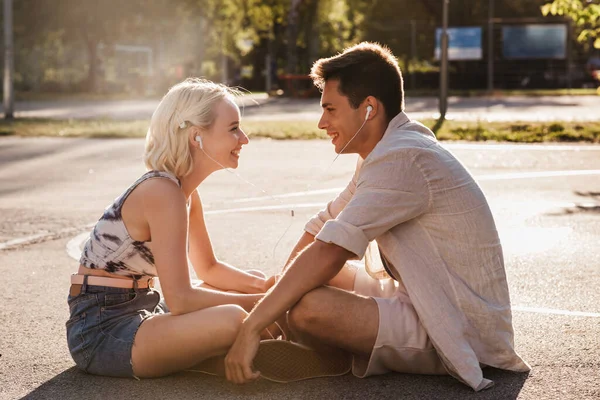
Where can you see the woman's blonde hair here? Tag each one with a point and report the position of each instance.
(190, 102)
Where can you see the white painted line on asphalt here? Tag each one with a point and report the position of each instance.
(490, 177)
(74, 245)
(288, 195)
(266, 208)
(41, 236)
(537, 174)
(533, 147)
(26, 239)
(541, 310)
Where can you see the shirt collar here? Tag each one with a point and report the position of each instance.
(400, 119)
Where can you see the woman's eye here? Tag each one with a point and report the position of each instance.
(234, 129)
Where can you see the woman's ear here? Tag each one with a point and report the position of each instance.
(192, 137)
(195, 136)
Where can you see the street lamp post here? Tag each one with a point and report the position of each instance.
(490, 79)
(9, 101)
(444, 64)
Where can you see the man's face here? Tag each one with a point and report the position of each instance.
(339, 119)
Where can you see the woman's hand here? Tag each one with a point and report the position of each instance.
(270, 282)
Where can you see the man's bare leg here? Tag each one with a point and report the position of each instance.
(336, 318)
(345, 278)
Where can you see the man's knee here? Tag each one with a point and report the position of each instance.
(305, 314)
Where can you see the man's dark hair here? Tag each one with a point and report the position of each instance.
(365, 69)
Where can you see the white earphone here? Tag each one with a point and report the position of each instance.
(369, 109)
(199, 140)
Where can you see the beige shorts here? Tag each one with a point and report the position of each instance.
(402, 345)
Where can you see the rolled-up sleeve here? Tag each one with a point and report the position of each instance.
(390, 190)
(334, 207)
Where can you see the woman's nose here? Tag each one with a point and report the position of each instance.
(243, 139)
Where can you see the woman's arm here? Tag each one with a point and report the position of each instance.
(212, 271)
(165, 211)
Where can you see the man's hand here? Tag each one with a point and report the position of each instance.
(238, 362)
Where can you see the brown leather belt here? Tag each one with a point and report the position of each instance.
(77, 282)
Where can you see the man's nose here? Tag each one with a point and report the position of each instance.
(323, 123)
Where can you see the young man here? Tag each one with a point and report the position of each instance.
(433, 296)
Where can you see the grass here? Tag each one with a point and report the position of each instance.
(73, 128)
(522, 132)
(519, 132)
(506, 93)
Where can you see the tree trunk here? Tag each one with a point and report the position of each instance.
(9, 66)
(292, 37)
(312, 33)
(92, 48)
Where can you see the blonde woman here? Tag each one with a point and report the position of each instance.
(118, 324)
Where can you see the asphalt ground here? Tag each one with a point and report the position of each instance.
(545, 199)
(260, 107)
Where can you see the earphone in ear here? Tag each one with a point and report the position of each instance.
(199, 140)
(369, 109)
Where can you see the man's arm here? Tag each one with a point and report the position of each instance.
(334, 207)
(305, 240)
(331, 211)
(298, 280)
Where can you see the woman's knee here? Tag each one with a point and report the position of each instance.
(232, 317)
(233, 313)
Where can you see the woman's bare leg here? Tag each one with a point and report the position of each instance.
(167, 343)
(187, 339)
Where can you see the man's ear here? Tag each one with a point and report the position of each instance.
(375, 105)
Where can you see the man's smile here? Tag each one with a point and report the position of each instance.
(333, 136)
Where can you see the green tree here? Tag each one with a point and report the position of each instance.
(89, 23)
(584, 14)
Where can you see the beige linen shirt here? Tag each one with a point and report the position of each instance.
(433, 224)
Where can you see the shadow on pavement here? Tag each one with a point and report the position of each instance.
(73, 384)
(21, 150)
(591, 205)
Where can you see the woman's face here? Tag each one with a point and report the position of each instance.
(224, 140)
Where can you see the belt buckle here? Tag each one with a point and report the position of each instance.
(151, 283)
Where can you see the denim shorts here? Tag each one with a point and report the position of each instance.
(103, 324)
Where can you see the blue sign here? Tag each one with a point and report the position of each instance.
(463, 43)
(535, 41)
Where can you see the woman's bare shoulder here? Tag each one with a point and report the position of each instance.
(160, 192)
